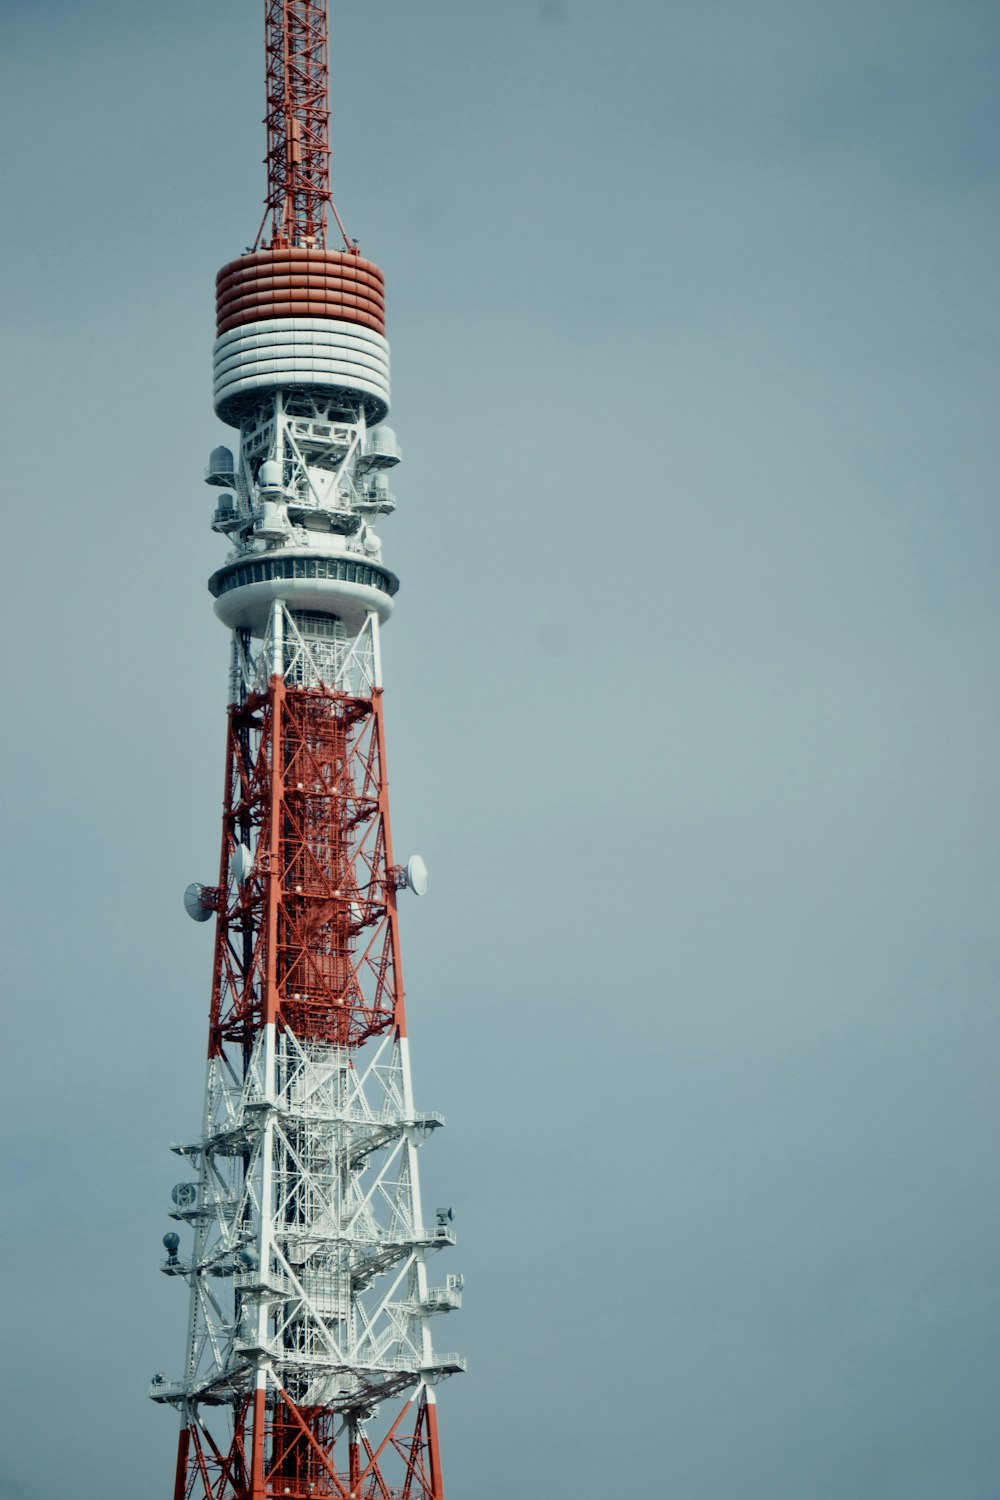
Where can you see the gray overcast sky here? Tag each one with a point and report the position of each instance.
(693, 714)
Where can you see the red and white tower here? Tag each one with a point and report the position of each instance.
(310, 1364)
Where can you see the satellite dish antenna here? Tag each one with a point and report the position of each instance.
(242, 864)
(193, 904)
(416, 875)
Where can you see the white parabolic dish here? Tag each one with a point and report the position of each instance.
(416, 875)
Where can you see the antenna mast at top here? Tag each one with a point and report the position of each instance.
(298, 125)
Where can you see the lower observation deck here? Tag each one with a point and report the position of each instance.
(344, 585)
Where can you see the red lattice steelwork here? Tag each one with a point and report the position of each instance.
(310, 937)
(281, 1451)
(298, 123)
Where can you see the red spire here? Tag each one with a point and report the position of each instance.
(298, 124)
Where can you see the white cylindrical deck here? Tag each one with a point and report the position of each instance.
(295, 353)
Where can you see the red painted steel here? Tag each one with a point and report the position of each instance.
(271, 288)
(183, 1449)
(310, 939)
(298, 124)
(249, 308)
(282, 1451)
(299, 258)
(298, 283)
(305, 310)
(290, 273)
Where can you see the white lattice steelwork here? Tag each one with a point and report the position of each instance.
(309, 1254)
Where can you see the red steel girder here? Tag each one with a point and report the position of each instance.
(310, 939)
(298, 124)
(281, 1449)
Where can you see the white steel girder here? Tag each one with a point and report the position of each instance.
(351, 664)
(309, 1259)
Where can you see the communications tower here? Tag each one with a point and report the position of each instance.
(310, 1366)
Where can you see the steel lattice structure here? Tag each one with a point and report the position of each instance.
(297, 120)
(310, 1365)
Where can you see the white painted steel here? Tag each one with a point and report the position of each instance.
(265, 1219)
(277, 638)
(308, 1167)
(349, 663)
(305, 348)
(376, 651)
(305, 490)
(381, 450)
(303, 338)
(303, 368)
(249, 606)
(288, 352)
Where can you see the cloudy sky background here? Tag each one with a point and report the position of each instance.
(692, 710)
